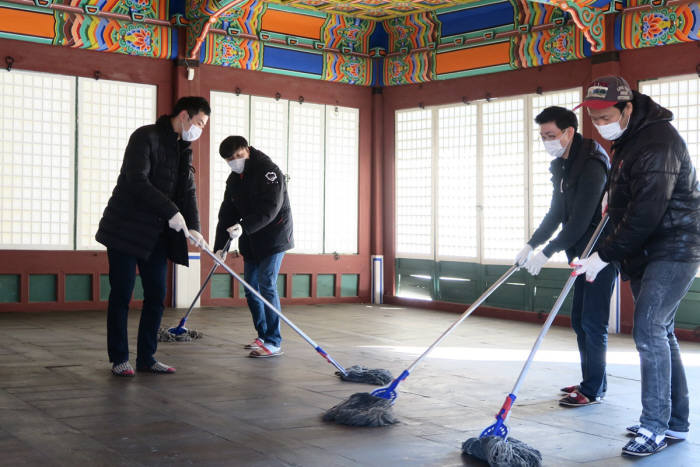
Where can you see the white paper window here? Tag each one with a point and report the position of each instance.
(680, 95)
(306, 169)
(504, 194)
(341, 185)
(541, 185)
(457, 228)
(414, 210)
(37, 160)
(109, 111)
(268, 129)
(229, 118)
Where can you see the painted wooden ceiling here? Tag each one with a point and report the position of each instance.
(373, 9)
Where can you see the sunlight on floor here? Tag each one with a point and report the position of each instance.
(690, 359)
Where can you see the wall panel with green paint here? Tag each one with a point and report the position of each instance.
(301, 285)
(105, 288)
(221, 286)
(42, 287)
(325, 285)
(9, 288)
(78, 287)
(349, 284)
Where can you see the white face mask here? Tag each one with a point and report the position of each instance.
(554, 147)
(611, 131)
(237, 165)
(192, 134)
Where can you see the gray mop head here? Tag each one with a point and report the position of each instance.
(362, 409)
(165, 336)
(360, 374)
(501, 453)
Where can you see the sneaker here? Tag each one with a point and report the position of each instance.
(569, 389)
(577, 399)
(670, 434)
(157, 367)
(265, 351)
(123, 369)
(255, 345)
(644, 444)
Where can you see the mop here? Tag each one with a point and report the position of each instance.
(493, 445)
(355, 373)
(363, 409)
(180, 333)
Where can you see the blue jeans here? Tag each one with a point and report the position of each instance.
(589, 318)
(122, 274)
(665, 400)
(262, 276)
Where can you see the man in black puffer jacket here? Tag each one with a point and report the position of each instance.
(256, 210)
(654, 207)
(579, 175)
(155, 190)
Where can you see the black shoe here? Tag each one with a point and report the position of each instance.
(670, 434)
(643, 445)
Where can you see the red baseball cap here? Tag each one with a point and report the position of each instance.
(605, 92)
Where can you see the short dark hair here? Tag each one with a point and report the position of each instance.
(193, 105)
(621, 105)
(230, 145)
(563, 118)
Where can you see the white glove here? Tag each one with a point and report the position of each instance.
(604, 204)
(591, 266)
(221, 254)
(196, 239)
(535, 263)
(235, 231)
(177, 222)
(523, 255)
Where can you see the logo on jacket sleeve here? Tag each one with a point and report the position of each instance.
(271, 177)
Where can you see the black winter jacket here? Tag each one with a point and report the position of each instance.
(155, 182)
(653, 195)
(579, 183)
(257, 199)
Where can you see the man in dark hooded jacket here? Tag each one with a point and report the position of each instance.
(256, 210)
(654, 206)
(154, 200)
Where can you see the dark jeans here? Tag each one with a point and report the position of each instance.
(122, 274)
(589, 318)
(262, 276)
(665, 399)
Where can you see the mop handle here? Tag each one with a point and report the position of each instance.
(555, 309)
(466, 313)
(328, 358)
(206, 281)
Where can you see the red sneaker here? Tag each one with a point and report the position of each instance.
(576, 399)
(255, 345)
(569, 389)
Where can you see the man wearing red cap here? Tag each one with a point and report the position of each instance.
(653, 200)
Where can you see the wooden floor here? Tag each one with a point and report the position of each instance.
(59, 404)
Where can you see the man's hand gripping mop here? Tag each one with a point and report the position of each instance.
(375, 409)
(493, 445)
(356, 373)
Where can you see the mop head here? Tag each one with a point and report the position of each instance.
(362, 409)
(500, 453)
(360, 374)
(165, 336)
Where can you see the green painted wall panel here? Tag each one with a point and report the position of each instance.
(221, 286)
(301, 285)
(78, 287)
(9, 288)
(42, 287)
(325, 285)
(349, 285)
(282, 285)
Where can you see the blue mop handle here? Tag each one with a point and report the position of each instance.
(555, 309)
(331, 360)
(270, 305)
(206, 281)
